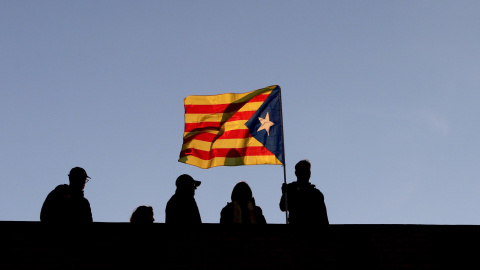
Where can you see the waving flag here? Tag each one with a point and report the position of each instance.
(233, 129)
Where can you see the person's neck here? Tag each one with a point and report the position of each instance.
(183, 192)
(76, 191)
(303, 183)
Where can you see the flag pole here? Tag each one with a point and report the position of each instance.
(284, 158)
(285, 194)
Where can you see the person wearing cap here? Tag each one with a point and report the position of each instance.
(66, 203)
(182, 208)
(305, 203)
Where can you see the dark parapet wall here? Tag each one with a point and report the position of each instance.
(33, 245)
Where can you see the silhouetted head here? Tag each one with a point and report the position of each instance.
(241, 192)
(142, 215)
(78, 178)
(186, 183)
(302, 171)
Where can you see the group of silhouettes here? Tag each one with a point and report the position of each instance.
(304, 202)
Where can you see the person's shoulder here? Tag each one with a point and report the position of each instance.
(292, 185)
(258, 209)
(227, 207)
(259, 214)
(60, 189)
(226, 215)
(312, 187)
(172, 199)
(316, 191)
(180, 201)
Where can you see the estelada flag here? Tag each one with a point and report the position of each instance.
(234, 129)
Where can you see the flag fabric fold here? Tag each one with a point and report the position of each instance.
(233, 129)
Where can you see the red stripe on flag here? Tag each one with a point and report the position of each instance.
(189, 127)
(216, 125)
(222, 108)
(226, 152)
(210, 137)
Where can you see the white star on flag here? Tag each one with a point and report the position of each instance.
(266, 124)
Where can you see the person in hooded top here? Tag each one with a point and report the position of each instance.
(305, 203)
(182, 208)
(66, 203)
(242, 208)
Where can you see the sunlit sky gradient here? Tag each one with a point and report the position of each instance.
(381, 96)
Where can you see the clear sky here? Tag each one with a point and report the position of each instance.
(381, 96)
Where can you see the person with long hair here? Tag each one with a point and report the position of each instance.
(142, 215)
(242, 208)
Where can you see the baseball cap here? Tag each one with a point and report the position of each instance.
(77, 171)
(185, 180)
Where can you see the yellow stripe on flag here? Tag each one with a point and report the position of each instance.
(222, 161)
(226, 143)
(226, 98)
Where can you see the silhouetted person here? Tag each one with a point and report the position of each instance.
(242, 209)
(182, 207)
(66, 203)
(305, 202)
(142, 215)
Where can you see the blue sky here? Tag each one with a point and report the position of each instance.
(381, 96)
